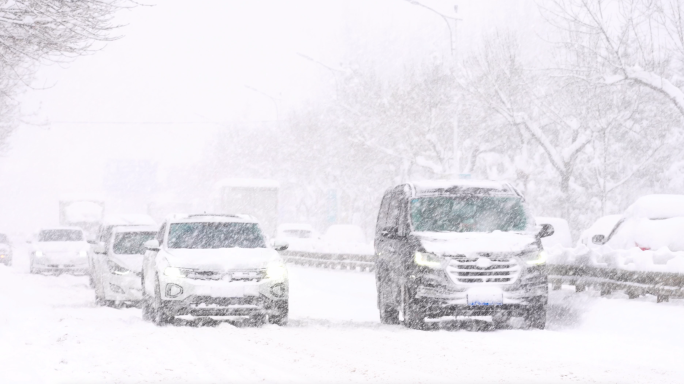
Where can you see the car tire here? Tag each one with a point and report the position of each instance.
(536, 316)
(159, 315)
(282, 313)
(413, 316)
(389, 312)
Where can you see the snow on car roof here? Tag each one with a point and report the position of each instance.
(657, 207)
(219, 218)
(430, 186)
(135, 228)
(252, 183)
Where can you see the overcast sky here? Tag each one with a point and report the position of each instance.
(182, 68)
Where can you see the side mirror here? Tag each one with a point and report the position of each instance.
(546, 230)
(152, 245)
(390, 232)
(280, 245)
(598, 239)
(99, 248)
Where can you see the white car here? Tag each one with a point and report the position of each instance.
(60, 250)
(117, 265)
(214, 265)
(300, 237)
(650, 223)
(602, 226)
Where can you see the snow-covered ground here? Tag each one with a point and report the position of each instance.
(51, 331)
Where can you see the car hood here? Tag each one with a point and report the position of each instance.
(465, 243)
(61, 246)
(130, 262)
(222, 259)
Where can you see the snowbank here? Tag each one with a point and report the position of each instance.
(632, 259)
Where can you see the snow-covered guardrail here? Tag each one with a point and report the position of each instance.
(333, 260)
(637, 272)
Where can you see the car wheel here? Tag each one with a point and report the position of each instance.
(536, 316)
(282, 313)
(409, 311)
(389, 313)
(159, 315)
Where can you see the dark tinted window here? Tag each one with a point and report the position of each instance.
(469, 214)
(215, 235)
(60, 235)
(132, 243)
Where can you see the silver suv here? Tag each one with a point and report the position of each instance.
(214, 265)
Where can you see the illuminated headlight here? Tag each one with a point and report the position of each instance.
(38, 253)
(83, 253)
(116, 268)
(276, 271)
(430, 260)
(175, 272)
(536, 258)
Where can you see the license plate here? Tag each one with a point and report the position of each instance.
(485, 299)
(228, 291)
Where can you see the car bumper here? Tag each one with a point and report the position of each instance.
(184, 296)
(122, 287)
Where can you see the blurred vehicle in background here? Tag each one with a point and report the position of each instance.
(652, 222)
(5, 250)
(346, 238)
(561, 238)
(106, 229)
(59, 250)
(254, 197)
(214, 265)
(300, 237)
(85, 212)
(602, 226)
(117, 264)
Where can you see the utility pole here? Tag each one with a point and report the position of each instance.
(452, 25)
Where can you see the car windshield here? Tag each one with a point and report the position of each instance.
(215, 235)
(132, 243)
(60, 235)
(469, 214)
(297, 233)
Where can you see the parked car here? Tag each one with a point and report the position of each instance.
(602, 226)
(5, 250)
(214, 265)
(459, 248)
(561, 236)
(650, 223)
(300, 237)
(60, 250)
(117, 265)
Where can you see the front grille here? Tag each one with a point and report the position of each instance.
(234, 275)
(501, 270)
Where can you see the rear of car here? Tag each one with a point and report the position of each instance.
(60, 250)
(117, 268)
(5, 250)
(459, 248)
(214, 265)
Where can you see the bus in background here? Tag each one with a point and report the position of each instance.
(255, 197)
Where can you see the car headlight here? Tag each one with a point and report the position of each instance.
(38, 253)
(427, 259)
(276, 271)
(536, 258)
(116, 268)
(175, 272)
(83, 253)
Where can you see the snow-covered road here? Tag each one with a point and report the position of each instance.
(52, 331)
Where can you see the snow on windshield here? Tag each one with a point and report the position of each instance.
(60, 235)
(131, 243)
(215, 235)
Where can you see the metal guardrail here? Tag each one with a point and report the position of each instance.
(362, 263)
(663, 285)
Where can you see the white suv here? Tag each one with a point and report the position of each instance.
(214, 265)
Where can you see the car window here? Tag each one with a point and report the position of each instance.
(131, 243)
(382, 214)
(60, 235)
(215, 235)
